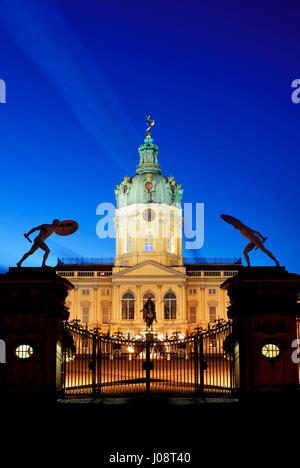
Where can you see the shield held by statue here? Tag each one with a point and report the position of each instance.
(65, 228)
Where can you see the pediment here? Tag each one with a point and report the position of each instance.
(149, 268)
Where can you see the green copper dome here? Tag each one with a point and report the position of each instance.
(148, 185)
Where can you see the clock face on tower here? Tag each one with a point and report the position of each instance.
(148, 185)
(149, 215)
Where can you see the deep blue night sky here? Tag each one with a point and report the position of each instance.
(215, 75)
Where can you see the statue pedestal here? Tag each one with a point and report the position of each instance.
(32, 309)
(149, 335)
(263, 307)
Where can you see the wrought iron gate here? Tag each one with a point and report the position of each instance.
(96, 365)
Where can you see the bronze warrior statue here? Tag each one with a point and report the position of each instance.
(255, 238)
(62, 228)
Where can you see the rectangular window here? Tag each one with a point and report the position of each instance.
(128, 311)
(84, 345)
(148, 244)
(85, 292)
(213, 342)
(192, 292)
(105, 292)
(85, 314)
(105, 314)
(193, 314)
(212, 313)
(212, 292)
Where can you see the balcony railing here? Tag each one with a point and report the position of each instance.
(85, 261)
(187, 261)
(84, 274)
(212, 273)
(212, 261)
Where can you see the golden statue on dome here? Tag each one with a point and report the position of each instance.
(150, 124)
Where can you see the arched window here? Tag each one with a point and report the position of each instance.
(170, 306)
(128, 306)
(147, 295)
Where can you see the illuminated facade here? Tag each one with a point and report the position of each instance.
(148, 263)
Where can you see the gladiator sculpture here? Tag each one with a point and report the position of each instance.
(255, 238)
(62, 228)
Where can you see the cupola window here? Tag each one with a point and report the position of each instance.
(128, 244)
(148, 242)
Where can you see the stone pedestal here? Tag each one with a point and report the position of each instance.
(263, 307)
(32, 309)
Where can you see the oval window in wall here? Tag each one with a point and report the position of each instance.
(270, 350)
(24, 351)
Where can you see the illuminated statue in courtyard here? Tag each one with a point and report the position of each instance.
(255, 238)
(149, 314)
(62, 228)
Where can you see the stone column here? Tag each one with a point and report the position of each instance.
(202, 306)
(180, 303)
(185, 313)
(115, 301)
(76, 303)
(95, 306)
(159, 306)
(138, 305)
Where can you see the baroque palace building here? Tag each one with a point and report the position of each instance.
(148, 263)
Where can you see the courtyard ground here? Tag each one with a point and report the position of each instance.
(214, 431)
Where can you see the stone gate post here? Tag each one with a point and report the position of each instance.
(264, 307)
(32, 310)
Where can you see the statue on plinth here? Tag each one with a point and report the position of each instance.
(255, 238)
(62, 228)
(149, 314)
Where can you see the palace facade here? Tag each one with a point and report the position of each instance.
(148, 263)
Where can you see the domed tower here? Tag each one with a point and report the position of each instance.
(148, 215)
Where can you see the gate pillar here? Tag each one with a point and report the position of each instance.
(264, 307)
(32, 309)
